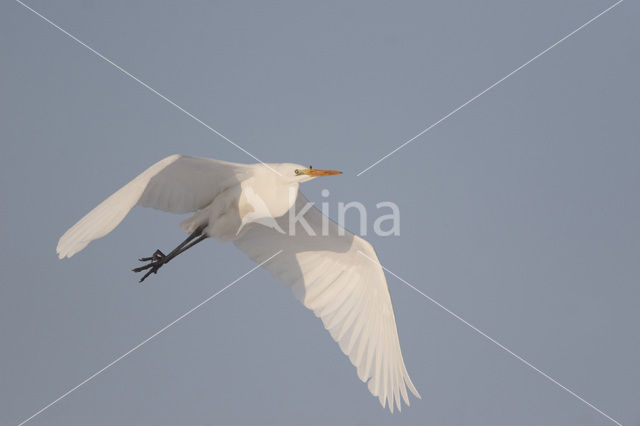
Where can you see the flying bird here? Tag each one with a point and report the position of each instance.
(333, 272)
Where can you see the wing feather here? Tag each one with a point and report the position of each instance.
(347, 291)
(176, 184)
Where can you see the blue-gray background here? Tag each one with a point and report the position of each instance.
(520, 212)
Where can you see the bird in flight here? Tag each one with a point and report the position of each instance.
(333, 272)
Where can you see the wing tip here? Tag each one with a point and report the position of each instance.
(66, 248)
(63, 253)
(60, 250)
(388, 401)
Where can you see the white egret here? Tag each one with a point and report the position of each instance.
(326, 272)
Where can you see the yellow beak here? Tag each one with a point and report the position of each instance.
(317, 173)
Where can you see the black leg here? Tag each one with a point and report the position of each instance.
(158, 258)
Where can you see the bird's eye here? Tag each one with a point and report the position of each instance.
(297, 171)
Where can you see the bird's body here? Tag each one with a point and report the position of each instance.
(259, 195)
(332, 272)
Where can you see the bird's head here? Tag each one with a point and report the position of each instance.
(301, 174)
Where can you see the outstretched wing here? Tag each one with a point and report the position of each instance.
(176, 184)
(337, 275)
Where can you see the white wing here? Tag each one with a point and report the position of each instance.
(344, 288)
(176, 184)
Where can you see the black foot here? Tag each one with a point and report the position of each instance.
(155, 262)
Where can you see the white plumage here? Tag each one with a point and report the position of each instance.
(331, 273)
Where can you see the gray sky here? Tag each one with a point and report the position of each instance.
(520, 212)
